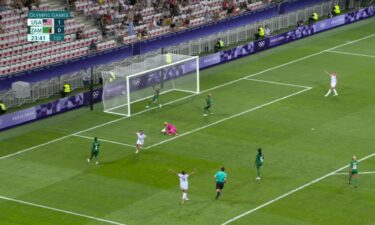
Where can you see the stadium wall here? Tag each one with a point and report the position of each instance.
(74, 65)
(82, 99)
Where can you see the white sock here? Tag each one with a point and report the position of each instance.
(183, 195)
(329, 92)
(334, 90)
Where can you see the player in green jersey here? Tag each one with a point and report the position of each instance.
(353, 172)
(208, 105)
(221, 179)
(259, 162)
(94, 151)
(154, 100)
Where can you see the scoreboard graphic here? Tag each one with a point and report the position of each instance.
(46, 25)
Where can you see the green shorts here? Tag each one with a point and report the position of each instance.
(354, 172)
(95, 153)
(155, 98)
(259, 165)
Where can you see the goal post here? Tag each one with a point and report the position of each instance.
(128, 84)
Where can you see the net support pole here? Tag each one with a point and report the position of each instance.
(197, 69)
(128, 94)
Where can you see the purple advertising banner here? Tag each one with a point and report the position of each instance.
(329, 23)
(359, 15)
(209, 60)
(237, 52)
(16, 118)
(59, 106)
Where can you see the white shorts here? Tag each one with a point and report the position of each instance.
(184, 186)
(333, 84)
(139, 142)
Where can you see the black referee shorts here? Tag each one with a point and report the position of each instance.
(219, 185)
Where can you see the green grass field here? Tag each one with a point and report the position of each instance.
(274, 99)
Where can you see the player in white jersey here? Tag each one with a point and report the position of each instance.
(333, 83)
(184, 183)
(140, 141)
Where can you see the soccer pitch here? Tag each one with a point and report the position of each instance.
(274, 100)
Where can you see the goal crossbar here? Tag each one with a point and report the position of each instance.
(175, 76)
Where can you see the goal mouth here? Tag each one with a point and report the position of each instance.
(153, 82)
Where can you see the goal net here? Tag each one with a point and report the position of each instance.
(168, 75)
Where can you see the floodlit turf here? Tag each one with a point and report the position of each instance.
(305, 137)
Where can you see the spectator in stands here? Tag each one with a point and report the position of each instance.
(153, 23)
(3, 108)
(105, 32)
(173, 25)
(313, 18)
(137, 19)
(131, 28)
(93, 47)
(243, 6)
(79, 35)
(260, 34)
(66, 90)
(144, 32)
(207, 16)
(180, 23)
(219, 45)
(226, 4)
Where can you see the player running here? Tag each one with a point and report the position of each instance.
(221, 178)
(140, 141)
(169, 129)
(259, 162)
(333, 83)
(208, 105)
(353, 171)
(94, 151)
(155, 98)
(184, 183)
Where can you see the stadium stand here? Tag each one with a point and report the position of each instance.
(115, 22)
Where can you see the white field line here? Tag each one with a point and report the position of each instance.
(291, 192)
(60, 210)
(278, 83)
(207, 90)
(361, 173)
(227, 118)
(34, 147)
(353, 54)
(104, 140)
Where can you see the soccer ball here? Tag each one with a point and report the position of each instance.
(163, 130)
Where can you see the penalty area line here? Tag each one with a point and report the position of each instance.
(352, 54)
(278, 83)
(104, 140)
(60, 210)
(361, 173)
(292, 191)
